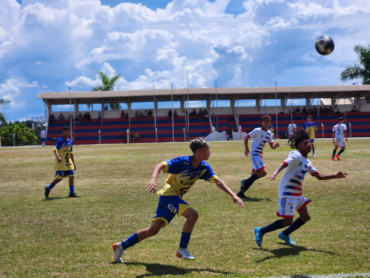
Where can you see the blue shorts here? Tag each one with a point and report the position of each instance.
(312, 140)
(168, 207)
(63, 174)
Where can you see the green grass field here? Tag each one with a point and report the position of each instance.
(73, 237)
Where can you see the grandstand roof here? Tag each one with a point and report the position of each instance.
(205, 93)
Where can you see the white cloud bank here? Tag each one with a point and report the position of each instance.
(56, 44)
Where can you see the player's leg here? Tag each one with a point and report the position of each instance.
(300, 221)
(258, 171)
(58, 178)
(340, 152)
(286, 211)
(166, 210)
(155, 226)
(72, 193)
(191, 216)
(334, 151)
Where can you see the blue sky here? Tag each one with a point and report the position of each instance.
(51, 45)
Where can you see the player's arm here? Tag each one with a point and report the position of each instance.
(274, 145)
(57, 156)
(223, 186)
(338, 175)
(152, 185)
(345, 134)
(333, 136)
(246, 148)
(73, 160)
(277, 171)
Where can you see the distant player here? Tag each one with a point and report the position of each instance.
(183, 172)
(292, 127)
(64, 163)
(290, 189)
(43, 137)
(311, 128)
(339, 137)
(260, 136)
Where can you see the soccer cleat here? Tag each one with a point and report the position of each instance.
(242, 196)
(258, 236)
(73, 195)
(337, 156)
(333, 158)
(313, 155)
(185, 254)
(287, 239)
(47, 191)
(118, 252)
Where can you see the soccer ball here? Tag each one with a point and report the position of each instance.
(324, 45)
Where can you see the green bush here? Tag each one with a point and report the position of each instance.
(23, 135)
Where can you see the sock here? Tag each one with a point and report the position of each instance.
(130, 241)
(313, 151)
(341, 151)
(50, 187)
(248, 182)
(296, 224)
(278, 224)
(71, 189)
(184, 241)
(334, 151)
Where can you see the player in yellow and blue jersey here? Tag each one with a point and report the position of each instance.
(311, 128)
(183, 172)
(64, 163)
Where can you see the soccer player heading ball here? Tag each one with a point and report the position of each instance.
(290, 189)
(183, 171)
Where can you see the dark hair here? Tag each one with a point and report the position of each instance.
(309, 116)
(265, 117)
(66, 128)
(298, 137)
(340, 119)
(197, 143)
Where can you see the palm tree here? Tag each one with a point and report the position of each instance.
(108, 84)
(2, 117)
(357, 71)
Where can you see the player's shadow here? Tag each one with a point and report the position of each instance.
(255, 200)
(155, 269)
(55, 198)
(290, 250)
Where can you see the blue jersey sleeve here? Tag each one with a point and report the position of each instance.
(208, 175)
(59, 143)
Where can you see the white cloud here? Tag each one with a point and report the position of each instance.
(60, 44)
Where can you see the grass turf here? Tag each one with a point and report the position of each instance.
(72, 237)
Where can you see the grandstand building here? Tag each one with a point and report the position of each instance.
(169, 115)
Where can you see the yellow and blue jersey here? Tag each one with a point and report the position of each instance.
(182, 175)
(64, 148)
(310, 129)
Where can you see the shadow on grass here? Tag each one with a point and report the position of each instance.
(254, 200)
(155, 269)
(55, 198)
(289, 250)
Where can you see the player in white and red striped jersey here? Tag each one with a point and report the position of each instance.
(339, 137)
(290, 189)
(260, 136)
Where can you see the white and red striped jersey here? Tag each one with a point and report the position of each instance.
(291, 181)
(260, 138)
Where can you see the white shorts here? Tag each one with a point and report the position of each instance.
(257, 163)
(287, 206)
(341, 142)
